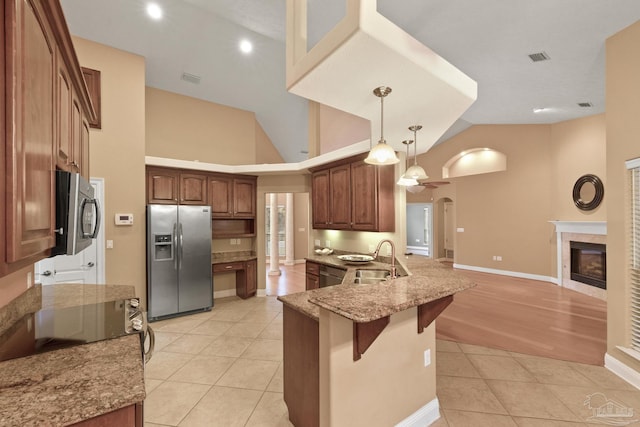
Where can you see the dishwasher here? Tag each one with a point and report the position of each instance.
(330, 276)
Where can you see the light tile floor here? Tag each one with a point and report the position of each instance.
(224, 368)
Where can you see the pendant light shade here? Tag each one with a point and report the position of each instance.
(382, 154)
(405, 180)
(416, 171)
(415, 188)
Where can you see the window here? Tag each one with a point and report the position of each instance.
(634, 252)
(281, 230)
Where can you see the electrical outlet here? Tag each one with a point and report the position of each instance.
(109, 244)
(316, 242)
(498, 258)
(427, 357)
(495, 258)
(238, 241)
(29, 280)
(232, 241)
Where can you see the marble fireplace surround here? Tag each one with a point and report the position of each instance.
(577, 231)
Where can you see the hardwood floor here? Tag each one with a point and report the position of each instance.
(527, 316)
(518, 315)
(291, 280)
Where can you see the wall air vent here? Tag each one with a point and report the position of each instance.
(540, 56)
(191, 78)
(585, 104)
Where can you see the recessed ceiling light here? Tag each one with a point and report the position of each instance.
(540, 110)
(246, 46)
(154, 11)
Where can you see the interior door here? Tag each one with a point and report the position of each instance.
(449, 228)
(83, 267)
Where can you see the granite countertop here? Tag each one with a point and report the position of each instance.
(428, 280)
(225, 257)
(73, 384)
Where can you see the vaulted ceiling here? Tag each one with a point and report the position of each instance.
(489, 40)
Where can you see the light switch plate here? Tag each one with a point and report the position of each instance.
(427, 357)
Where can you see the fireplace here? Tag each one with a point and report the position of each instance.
(589, 263)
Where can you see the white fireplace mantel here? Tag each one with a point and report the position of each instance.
(574, 227)
(581, 227)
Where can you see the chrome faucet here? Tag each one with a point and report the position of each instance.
(393, 256)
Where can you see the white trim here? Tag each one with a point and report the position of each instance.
(100, 255)
(224, 294)
(424, 251)
(633, 163)
(424, 416)
(620, 369)
(261, 293)
(264, 169)
(582, 227)
(507, 273)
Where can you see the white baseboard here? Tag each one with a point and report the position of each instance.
(623, 371)
(224, 294)
(507, 273)
(424, 416)
(261, 293)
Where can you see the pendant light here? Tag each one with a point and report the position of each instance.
(416, 171)
(404, 179)
(382, 154)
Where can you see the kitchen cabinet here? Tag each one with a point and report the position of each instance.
(246, 276)
(221, 196)
(41, 78)
(312, 275)
(162, 186)
(193, 189)
(353, 195)
(129, 416)
(232, 197)
(244, 198)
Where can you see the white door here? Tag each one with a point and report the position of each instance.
(84, 267)
(449, 227)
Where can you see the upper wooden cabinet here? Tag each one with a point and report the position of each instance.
(42, 83)
(193, 189)
(232, 197)
(353, 195)
(162, 186)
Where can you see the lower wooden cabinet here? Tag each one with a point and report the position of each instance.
(312, 275)
(246, 276)
(129, 416)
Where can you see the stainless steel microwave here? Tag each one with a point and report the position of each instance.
(77, 214)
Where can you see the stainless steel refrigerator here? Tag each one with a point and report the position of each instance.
(179, 278)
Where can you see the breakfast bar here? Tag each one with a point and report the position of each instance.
(362, 354)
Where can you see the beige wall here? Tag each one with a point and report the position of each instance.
(389, 382)
(507, 213)
(185, 128)
(117, 155)
(578, 147)
(340, 129)
(623, 132)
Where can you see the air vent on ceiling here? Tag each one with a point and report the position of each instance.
(585, 104)
(304, 151)
(540, 56)
(191, 78)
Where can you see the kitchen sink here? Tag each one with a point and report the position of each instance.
(371, 276)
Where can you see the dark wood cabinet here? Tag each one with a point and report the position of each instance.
(129, 416)
(30, 93)
(353, 195)
(246, 276)
(312, 275)
(221, 196)
(320, 199)
(193, 189)
(41, 78)
(244, 198)
(162, 186)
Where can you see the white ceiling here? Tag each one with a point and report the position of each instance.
(489, 40)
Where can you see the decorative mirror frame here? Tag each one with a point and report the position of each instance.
(597, 198)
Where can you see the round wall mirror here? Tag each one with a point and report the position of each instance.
(588, 192)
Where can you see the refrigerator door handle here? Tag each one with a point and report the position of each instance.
(180, 246)
(174, 239)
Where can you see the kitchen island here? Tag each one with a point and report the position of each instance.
(357, 354)
(100, 383)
